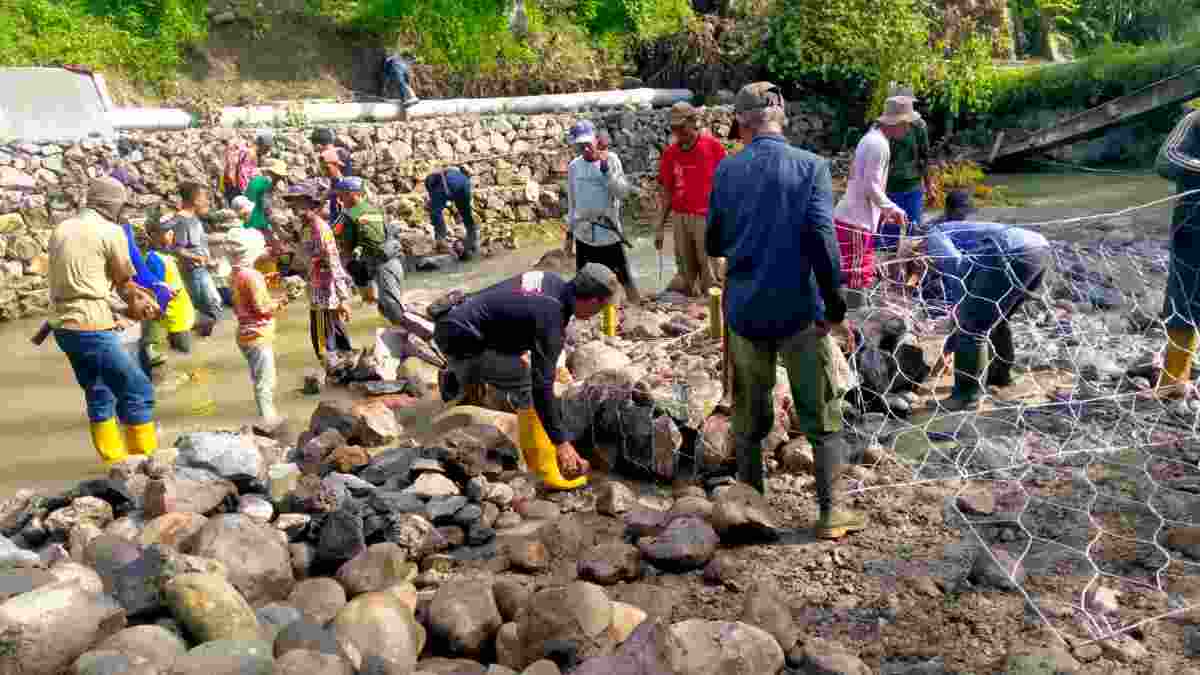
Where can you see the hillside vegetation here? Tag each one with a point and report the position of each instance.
(241, 51)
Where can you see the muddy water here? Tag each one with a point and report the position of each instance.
(44, 433)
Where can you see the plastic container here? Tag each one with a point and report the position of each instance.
(284, 479)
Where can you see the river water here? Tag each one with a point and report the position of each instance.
(44, 431)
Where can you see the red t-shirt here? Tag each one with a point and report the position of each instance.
(688, 175)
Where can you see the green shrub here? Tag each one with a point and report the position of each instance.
(142, 38)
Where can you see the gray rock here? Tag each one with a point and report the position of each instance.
(579, 613)
(394, 462)
(98, 662)
(610, 563)
(210, 607)
(829, 658)
(277, 616)
(224, 455)
(430, 485)
(394, 501)
(157, 645)
(995, 572)
(51, 626)
(463, 618)
(306, 636)
(376, 630)
(11, 554)
(468, 515)
(262, 577)
(765, 608)
(375, 569)
(615, 498)
(341, 537)
(441, 510)
(686, 543)
(130, 574)
(740, 512)
(301, 662)
(701, 647)
(319, 600)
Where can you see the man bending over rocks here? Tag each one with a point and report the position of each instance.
(510, 336)
(771, 218)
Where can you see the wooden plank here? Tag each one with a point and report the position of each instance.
(1170, 91)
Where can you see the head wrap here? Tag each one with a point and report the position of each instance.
(107, 195)
(245, 246)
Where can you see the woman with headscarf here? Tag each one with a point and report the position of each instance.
(329, 285)
(255, 310)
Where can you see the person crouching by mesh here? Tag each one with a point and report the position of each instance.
(596, 185)
(510, 336)
(988, 271)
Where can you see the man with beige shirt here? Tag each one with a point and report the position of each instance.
(89, 258)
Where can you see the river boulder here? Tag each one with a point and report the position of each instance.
(256, 556)
(49, 627)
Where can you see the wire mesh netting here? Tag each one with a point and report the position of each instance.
(1080, 467)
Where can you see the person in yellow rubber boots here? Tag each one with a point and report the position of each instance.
(1179, 160)
(88, 257)
(510, 336)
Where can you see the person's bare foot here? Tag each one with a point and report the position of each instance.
(570, 464)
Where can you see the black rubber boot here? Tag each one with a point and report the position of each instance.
(1000, 368)
(750, 463)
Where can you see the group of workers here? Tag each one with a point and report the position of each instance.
(760, 222)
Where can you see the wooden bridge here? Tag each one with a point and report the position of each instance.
(1173, 90)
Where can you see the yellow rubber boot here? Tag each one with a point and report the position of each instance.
(1177, 369)
(540, 454)
(108, 441)
(142, 439)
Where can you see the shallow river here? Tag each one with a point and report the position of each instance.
(43, 430)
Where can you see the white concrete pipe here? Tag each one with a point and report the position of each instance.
(332, 113)
(149, 119)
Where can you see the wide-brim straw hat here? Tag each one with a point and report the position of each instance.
(899, 110)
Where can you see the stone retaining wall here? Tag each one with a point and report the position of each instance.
(517, 163)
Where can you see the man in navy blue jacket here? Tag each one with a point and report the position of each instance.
(771, 217)
(452, 186)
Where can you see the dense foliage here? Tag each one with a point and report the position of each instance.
(1093, 23)
(144, 38)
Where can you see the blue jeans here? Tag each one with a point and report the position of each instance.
(997, 285)
(913, 203)
(395, 75)
(112, 382)
(205, 297)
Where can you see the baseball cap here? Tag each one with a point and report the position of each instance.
(277, 167)
(307, 189)
(348, 184)
(582, 132)
(682, 113)
(322, 136)
(758, 96)
(596, 281)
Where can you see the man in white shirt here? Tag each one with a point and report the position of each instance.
(596, 185)
(865, 204)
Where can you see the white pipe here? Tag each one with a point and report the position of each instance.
(151, 119)
(325, 113)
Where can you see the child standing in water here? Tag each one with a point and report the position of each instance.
(255, 310)
(174, 327)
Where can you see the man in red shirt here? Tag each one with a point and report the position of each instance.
(686, 173)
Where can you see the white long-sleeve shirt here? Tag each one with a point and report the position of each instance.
(866, 193)
(592, 194)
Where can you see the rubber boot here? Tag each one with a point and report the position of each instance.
(832, 522)
(142, 439)
(970, 366)
(1177, 366)
(540, 454)
(750, 463)
(999, 372)
(108, 441)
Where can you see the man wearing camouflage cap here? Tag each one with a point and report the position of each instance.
(771, 218)
(510, 336)
(686, 174)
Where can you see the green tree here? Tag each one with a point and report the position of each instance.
(877, 41)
